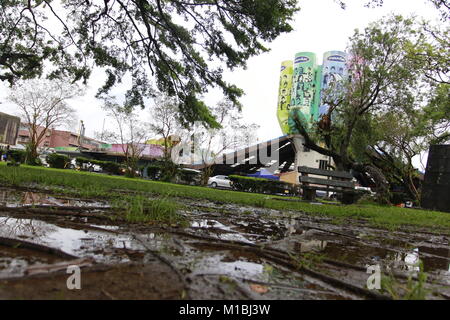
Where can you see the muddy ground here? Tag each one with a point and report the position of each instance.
(226, 252)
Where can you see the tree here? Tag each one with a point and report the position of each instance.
(206, 145)
(165, 121)
(181, 45)
(42, 106)
(438, 114)
(130, 133)
(387, 89)
(443, 6)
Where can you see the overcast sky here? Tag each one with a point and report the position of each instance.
(320, 26)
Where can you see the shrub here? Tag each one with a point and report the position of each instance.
(108, 166)
(111, 167)
(169, 171)
(153, 171)
(17, 155)
(188, 177)
(56, 160)
(260, 185)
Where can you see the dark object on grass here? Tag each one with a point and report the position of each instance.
(436, 185)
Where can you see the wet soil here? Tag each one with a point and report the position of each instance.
(227, 252)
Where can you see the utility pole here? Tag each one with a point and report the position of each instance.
(80, 135)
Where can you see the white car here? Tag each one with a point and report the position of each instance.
(219, 181)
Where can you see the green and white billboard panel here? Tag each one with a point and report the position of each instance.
(303, 92)
(317, 90)
(284, 95)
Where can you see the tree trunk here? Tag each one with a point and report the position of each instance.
(206, 174)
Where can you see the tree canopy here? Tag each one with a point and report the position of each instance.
(178, 47)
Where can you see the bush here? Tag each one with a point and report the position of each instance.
(164, 171)
(188, 177)
(154, 171)
(260, 185)
(107, 166)
(17, 155)
(399, 197)
(58, 161)
(111, 167)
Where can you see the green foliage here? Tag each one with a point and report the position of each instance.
(259, 185)
(31, 157)
(412, 290)
(107, 166)
(88, 185)
(153, 171)
(171, 42)
(111, 167)
(394, 104)
(188, 177)
(171, 172)
(58, 161)
(17, 155)
(142, 209)
(437, 115)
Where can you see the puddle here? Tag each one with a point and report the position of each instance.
(116, 244)
(250, 230)
(18, 198)
(14, 261)
(102, 246)
(228, 266)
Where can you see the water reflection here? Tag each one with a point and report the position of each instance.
(102, 246)
(14, 198)
(24, 228)
(309, 246)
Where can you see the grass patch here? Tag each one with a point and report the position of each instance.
(142, 209)
(411, 290)
(93, 185)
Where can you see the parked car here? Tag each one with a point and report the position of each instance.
(219, 181)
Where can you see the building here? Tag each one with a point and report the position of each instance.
(9, 127)
(281, 156)
(58, 139)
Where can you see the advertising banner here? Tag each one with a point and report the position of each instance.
(334, 70)
(284, 95)
(303, 88)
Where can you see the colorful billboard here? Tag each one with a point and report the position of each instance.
(284, 95)
(334, 70)
(302, 87)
